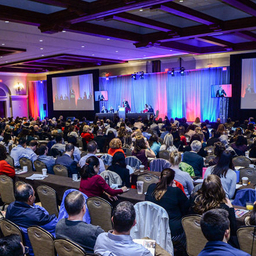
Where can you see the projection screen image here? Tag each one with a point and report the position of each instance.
(73, 92)
(248, 89)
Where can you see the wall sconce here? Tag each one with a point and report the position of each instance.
(18, 87)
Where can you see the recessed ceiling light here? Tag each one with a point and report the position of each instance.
(108, 39)
(63, 31)
(41, 48)
(6, 61)
(93, 54)
(141, 10)
(3, 43)
(116, 51)
(1, 57)
(41, 40)
(144, 55)
(42, 55)
(170, 50)
(82, 46)
(7, 21)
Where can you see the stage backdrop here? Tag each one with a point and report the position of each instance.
(37, 97)
(175, 96)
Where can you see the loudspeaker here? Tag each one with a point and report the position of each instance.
(44, 106)
(156, 66)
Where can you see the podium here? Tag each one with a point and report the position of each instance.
(121, 113)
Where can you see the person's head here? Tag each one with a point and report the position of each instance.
(119, 159)
(215, 225)
(240, 140)
(58, 138)
(210, 196)
(72, 140)
(197, 120)
(86, 128)
(42, 150)
(75, 203)
(168, 140)
(124, 217)
(175, 157)
(12, 246)
(90, 168)
(69, 148)
(224, 139)
(33, 145)
(139, 144)
(224, 163)
(25, 193)
(3, 153)
(196, 145)
(166, 179)
(115, 143)
(22, 142)
(221, 129)
(92, 146)
(218, 148)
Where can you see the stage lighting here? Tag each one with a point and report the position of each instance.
(182, 71)
(172, 72)
(133, 76)
(142, 75)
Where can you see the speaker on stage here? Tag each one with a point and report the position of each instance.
(156, 66)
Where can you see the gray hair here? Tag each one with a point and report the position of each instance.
(168, 140)
(196, 145)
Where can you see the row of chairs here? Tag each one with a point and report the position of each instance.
(43, 243)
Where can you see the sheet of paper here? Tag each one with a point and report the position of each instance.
(36, 177)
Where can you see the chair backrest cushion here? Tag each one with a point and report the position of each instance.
(65, 247)
(6, 189)
(157, 165)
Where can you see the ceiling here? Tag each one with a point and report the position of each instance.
(48, 35)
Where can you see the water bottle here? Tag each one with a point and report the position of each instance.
(107, 179)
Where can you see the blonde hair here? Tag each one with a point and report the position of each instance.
(115, 143)
(175, 157)
(86, 128)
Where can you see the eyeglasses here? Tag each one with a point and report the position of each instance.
(26, 250)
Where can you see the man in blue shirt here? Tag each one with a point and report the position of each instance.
(18, 152)
(215, 227)
(48, 160)
(30, 151)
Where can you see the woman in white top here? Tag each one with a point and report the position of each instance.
(223, 169)
(182, 177)
(168, 143)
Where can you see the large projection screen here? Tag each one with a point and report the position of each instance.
(248, 83)
(73, 92)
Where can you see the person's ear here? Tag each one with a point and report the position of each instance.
(134, 223)
(227, 234)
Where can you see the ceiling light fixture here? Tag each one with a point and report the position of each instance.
(82, 46)
(108, 39)
(3, 44)
(41, 49)
(7, 21)
(63, 31)
(41, 40)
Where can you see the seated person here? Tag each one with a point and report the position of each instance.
(49, 161)
(24, 213)
(115, 145)
(74, 228)
(59, 145)
(19, 151)
(119, 166)
(12, 246)
(5, 168)
(67, 160)
(193, 159)
(215, 226)
(118, 241)
(30, 151)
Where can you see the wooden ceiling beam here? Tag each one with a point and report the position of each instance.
(243, 5)
(181, 47)
(215, 41)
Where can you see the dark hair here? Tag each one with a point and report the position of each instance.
(92, 146)
(123, 216)
(41, 150)
(72, 140)
(33, 143)
(119, 159)
(74, 203)
(139, 144)
(3, 153)
(58, 138)
(224, 163)
(214, 224)
(23, 192)
(88, 169)
(11, 246)
(7, 137)
(240, 140)
(167, 176)
(219, 148)
(22, 141)
(69, 147)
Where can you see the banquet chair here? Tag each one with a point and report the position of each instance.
(66, 247)
(39, 166)
(6, 190)
(41, 241)
(157, 165)
(194, 235)
(246, 239)
(111, 177)
(164, 154)
(133, 161)
(96, 206)
(26, 162)
(152, 222)
(147, 179)
(60, 170)
(48, 199)
(248, 172)
(241, 161)
(9, 228)
(9, 160)
(107, 159)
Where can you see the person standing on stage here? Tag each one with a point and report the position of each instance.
(146, 108)
(220, 93)
(126, 106)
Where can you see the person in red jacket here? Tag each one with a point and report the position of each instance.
(5, 168)
(115, 145)
(86, 134)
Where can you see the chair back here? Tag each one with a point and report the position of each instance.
(107, 159)
(195, 189)
(66, 247)
(164, 154)
(48, 199)
(127, 151)
(39, 166)
(9, 160)
(111, 177)
(157, 165)
(9, 228)
(248, 172)
(209, 150)
(41, 241)
(147, 179)
(26, 162)
(247, 240)
(6, 189)
(194, 235)
(97, 206)
(153, 222)
(133, 161)
(241, 161)
(60, 170)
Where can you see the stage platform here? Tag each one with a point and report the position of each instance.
(130, 116)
